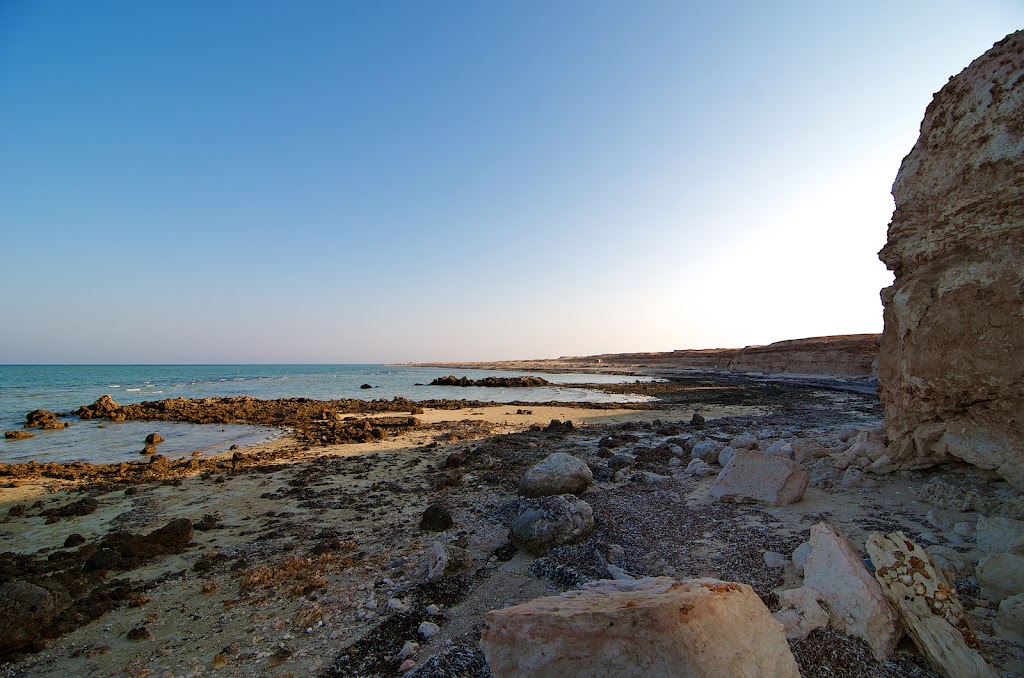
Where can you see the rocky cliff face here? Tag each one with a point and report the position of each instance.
(951, 365)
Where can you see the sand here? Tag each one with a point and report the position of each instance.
(304, 553)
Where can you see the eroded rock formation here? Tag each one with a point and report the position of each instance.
(951, 364)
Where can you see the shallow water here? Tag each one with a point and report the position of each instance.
(64, 388)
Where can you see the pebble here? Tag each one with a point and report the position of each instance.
(433, 610)
(427, 629)
(409, 649)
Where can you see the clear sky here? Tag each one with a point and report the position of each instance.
(327, 181)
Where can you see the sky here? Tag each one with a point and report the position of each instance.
(191, 181)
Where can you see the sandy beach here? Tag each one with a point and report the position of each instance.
(304, 559)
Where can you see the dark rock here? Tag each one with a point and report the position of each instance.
(43, 419)
(491, 382)
(27, 608)
(82, 507)
(148, 449)
(696, 419)
(74, 540)
(154, 439)
(139, 633)
(365, 386)
(620, 461)
(103, 408)
(17, 435)
(548, 522)
(436, 519)
(174, 534)
(18, 511)
(454, 460)
(208, 522)
(557, 426)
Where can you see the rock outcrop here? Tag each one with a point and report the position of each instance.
(647, 627)
(950, 368)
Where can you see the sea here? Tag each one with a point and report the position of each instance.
(64, 388)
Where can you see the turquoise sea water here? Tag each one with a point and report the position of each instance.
(63, 388)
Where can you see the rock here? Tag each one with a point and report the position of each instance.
(617, 572)
(397, 605)
(801, 611)
(847, 432)
(154, 439)
(697, 419)
(676, 461)
(26, 610)
(454, 460)
(43, 419)
(1001, 575)
(1009, 622)
(856, 604)
(1000, 535)
(647, 627)
(951, 379)
(445, 561)
(929, 607)
(780, 448)
(745, 441)
(617, 462)
(800, 557)
(407, 665)
(18, 435)
(104, 407)
(725, 455)
(754, 477)
(706, 451)
(807, 449)
(74, 540)
(427, 629)
(551, 521)
(698, 467)
(491, 382)
(173, 535)
(139, 633)
(774, 560)
(82, 507)
(409, 649)
(436, 518)
(365, 386)
(148, 449)
(559, 473)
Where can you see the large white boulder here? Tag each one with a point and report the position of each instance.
(1000, 535)
(855, 601)
(754, 477)
(640, 628)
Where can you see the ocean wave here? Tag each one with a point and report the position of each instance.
(133, 390)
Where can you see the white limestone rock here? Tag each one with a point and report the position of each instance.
(632, 629)
(754, 477)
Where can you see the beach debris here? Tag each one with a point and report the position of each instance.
(558, 473)
(836, 576)
(928, 605)
(436, 518)
(545, 523)
(651, 626)
(754, 477)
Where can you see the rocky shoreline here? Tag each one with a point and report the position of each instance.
(312, 557)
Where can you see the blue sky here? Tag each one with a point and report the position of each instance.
(386, 181)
